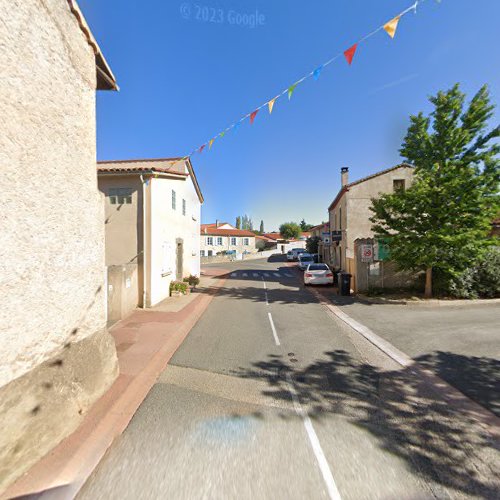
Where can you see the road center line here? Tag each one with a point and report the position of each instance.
(276, 339)
(265, 292)
(333, 491)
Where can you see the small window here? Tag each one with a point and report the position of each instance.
(202, 253)
(210, 240)
(233, 241)
(246, 241)
(174, 200)
(398, 185)
(210, 253)
(183, 207)
(340, 219)
(120, 196)
(219, 241)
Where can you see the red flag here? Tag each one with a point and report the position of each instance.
(253, 115)
(349, 53)
(201, 149)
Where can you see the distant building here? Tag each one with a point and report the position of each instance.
(57, 357)
(349, 213)
(152, 221)
(283, 244)
(222, 237)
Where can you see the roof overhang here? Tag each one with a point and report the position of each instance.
(105, 78)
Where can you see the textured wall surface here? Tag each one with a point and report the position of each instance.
(51, 223)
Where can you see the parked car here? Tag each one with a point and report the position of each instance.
(318, 274)
(297, 252)
(290, 255)
(304, 260)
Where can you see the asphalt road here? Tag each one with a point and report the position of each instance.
(270, 396)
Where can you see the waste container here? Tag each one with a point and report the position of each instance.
(344, 283)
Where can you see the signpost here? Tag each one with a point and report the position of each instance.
(366, 253)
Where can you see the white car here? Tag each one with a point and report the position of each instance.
(290, 255)
(318, 274)
(304, 260)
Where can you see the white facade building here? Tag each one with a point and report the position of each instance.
(222, 237)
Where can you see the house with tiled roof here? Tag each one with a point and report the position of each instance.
(349, 213)
(223, 238)
(152, 225)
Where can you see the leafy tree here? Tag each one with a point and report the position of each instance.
(290, 230)
(261, 230)
(312, 244)
(238, 222)
(440, 224)
(304, 226)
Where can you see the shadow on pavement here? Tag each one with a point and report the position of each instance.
(440, 443)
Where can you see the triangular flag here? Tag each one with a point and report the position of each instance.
(290, 90)
(392, 26)
(270, 104)
(210, 143)
(222, 134)
(349, 53)
(253, 115)
(201, 148)
(317, 72)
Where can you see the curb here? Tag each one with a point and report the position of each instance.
(56, 476)
(446, 391)
(428, 302)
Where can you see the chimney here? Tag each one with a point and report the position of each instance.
(217, 223)
(344, 174)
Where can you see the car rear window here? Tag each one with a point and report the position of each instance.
(306, 258)
(318, 267)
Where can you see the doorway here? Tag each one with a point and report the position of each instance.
(180, 260)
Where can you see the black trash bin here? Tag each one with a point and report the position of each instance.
(344, 283)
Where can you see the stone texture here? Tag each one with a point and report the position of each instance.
(51, 225)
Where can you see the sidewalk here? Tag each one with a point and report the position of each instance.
(145, 342)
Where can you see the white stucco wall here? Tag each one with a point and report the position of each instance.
(51, 222)
(240, 247)
(168, 225)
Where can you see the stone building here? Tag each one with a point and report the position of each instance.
(56, 356)
(349, 213)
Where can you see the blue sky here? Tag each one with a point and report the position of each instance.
(183, 79)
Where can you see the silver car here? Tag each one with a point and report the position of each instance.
(304, 260)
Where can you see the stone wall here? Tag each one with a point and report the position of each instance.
(56, 355)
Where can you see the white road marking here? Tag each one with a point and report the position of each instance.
(255, 275)
(245, 275)
(333, 491)
(288, 275)
(265, 292)
(277, 275)
(275, 335)
(233, 274)
(266, 275)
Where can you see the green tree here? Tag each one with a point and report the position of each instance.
(440, 224)
(312, 244)
(290, 230)
(304, 226)
(238, 222)
(261, 230)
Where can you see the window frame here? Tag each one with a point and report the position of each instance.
(120, 195)
(174, 200)
(183, 206)
(246, 242)
(234, 241)
(219, 241)
(210, 241)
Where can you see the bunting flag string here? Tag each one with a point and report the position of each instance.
(390, 27)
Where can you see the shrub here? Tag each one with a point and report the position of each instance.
(178, 286)
(192, 280)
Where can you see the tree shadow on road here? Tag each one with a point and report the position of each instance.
(442, 444)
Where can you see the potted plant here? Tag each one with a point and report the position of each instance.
(178, 288)
(192, 280)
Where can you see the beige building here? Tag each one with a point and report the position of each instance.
(222, 237)
(152, 221)
(349, 213)
(56, 356)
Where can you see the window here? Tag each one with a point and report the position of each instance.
(202, 253)
(340, 219)
(174, 201)
(210, 240)
(219, 241)
(183, 207)
(246, 241)
(233, 241)
(210, 253)
(120, 196)
(398, 185)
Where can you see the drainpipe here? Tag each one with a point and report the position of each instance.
(144, 240)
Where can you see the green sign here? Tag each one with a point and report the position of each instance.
(382, 247)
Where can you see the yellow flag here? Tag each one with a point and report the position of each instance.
(392, 26)
(271, 105)
(210, 143)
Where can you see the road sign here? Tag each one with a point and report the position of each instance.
(366, 253)
(336, 235)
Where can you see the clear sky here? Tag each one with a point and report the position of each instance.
(184, 78)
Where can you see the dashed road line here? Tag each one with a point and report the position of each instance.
(265, 291)
(275, 335)
(331, 487)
